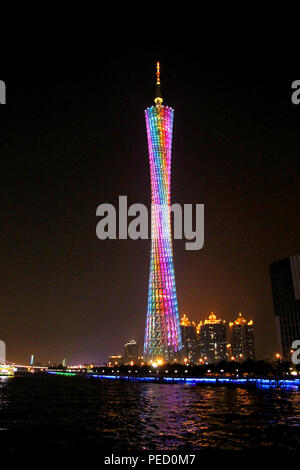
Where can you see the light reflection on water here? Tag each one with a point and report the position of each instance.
(3, 397)
(69, 410)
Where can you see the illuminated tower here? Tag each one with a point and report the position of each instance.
(162, 334)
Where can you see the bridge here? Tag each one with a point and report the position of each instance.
(21, 366)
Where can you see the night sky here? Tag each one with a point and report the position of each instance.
(73, 136)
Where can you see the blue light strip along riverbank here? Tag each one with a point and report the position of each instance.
(258, 382)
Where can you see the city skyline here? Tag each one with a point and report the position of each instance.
(76, 139)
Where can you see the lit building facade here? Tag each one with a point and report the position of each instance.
(131, 353)
(115, 360)
(162, 332)
(213, 340)
(190, 340)
(242, 339)
(285, 281)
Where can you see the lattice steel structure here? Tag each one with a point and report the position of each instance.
(162, 334)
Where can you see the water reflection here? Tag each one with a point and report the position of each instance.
(202, 417)
(3, 397)
(118, 416)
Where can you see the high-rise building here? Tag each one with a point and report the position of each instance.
(115, 360)
(131, 352)
(190, 340)
(162, 332)
(242, 339)
(213, 339)
(285, 281)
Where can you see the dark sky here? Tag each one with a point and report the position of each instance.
(73, 136)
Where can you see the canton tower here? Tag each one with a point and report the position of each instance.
(162, 333)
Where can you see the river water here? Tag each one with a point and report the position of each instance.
(44, 412)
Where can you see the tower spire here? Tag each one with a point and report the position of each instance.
(158, 99)
(157, 73)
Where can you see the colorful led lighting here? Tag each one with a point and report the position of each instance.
(162, 333)
(260, 383)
